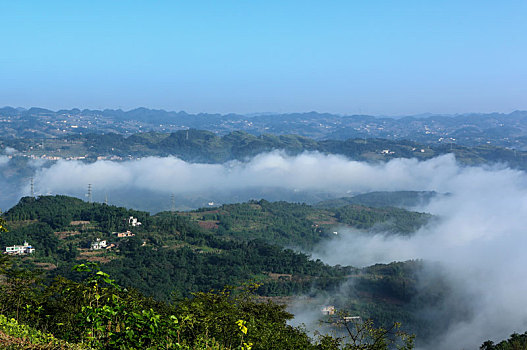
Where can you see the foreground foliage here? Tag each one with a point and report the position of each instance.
(18, 336)
(515, 342)
(98, 313)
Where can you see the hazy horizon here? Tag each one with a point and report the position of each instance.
(341, 57)
(423, 114)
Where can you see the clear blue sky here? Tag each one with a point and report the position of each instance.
(376, 57)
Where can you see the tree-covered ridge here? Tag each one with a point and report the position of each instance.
(207, 147)
(380, 199)
(59, 211)
(301, 225)
(168, 253)
(382, 219)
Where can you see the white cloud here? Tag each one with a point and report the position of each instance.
(480, 239)
(308, 171)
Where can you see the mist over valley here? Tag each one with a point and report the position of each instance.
(475, 212)
(343, 175)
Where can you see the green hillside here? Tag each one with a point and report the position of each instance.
(301, 225)
(178, 254)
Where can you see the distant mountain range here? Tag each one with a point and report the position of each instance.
(505, 130)
(203, 146)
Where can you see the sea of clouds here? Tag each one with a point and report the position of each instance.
(480, 240)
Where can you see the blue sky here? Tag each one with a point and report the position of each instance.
(375, 57)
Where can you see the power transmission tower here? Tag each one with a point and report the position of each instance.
(89, 193)
(32, 187)
(173, 203)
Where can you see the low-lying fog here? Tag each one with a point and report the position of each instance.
(479, 241)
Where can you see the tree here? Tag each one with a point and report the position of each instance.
(3, 224)
(363, 335)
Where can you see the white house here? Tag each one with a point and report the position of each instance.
(133, 221)
(98, 244)
(20, 249)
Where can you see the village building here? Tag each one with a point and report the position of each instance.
(123, 234)
(20, 249)
(98, 244)
(328, 310)
(133, 221)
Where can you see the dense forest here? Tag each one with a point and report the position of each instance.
(381, 199)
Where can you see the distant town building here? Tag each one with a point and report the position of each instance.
(133, 221)
(20, 249)
(98, 244)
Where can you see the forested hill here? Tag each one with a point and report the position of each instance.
(167, 253)
(302, 225)
(400, 199)
(199, 250)
(176, 254)
(204, 146)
